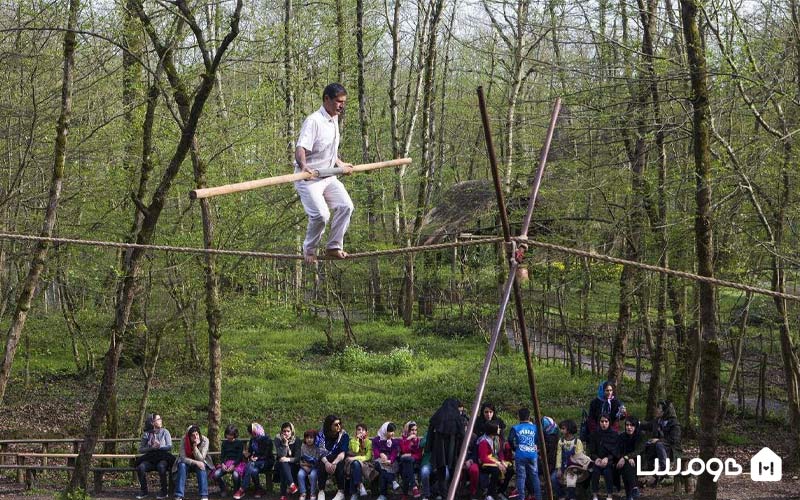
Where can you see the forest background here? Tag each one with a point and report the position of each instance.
(675, 147)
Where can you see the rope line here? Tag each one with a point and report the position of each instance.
(415, 249)
(664, 270)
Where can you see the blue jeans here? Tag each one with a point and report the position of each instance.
(180, 481)
(558, 488)
(356, 476)
(251, 473)
(425, 478)
(527, 475)
(219, 477)
(302, 474)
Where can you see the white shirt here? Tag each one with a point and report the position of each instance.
(319, 136)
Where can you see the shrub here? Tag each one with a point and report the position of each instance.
(357, 359)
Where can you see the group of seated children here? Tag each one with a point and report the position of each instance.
(304, 464)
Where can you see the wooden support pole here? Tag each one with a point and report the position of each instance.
(283, 179)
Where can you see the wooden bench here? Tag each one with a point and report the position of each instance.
(27, 462)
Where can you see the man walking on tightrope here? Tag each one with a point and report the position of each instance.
(318, 147)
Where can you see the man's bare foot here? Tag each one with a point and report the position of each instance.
(336, 253)
(310, 258)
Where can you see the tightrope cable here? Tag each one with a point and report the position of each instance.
(413, 249)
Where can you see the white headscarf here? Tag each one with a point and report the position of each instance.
(382, 432)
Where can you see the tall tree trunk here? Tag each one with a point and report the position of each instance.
(40, 249)
(375, 299)
(616, 365)
(288, 70)
(213, 312)
(190, 113)
(710, 351)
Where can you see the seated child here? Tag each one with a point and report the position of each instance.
(385, 450)
(631, 445)
(410, 457)
(310, 455)
(359, 462)
(494, 470)
(258, 454)
(230, 458)
(569, 445)
(602, 450)
(287, 454)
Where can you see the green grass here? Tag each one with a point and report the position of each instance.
(275, 369)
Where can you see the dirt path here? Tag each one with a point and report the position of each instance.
(546, 350)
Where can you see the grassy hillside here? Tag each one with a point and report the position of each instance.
(278, 367)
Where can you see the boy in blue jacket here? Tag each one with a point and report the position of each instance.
(526, 455)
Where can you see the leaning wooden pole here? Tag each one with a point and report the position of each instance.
(510, 284)
(283, 179)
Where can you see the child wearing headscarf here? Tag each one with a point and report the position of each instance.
(259, 456)
(631, 445)
(193, 457)
(385, 450)
(410, 457)
(287, 455)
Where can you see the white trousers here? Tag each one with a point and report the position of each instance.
(319, 197)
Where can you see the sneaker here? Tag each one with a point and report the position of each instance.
(240, 493)
(284, 497)
(162, 496)
(395, 485)
(321, 495)
(302, 496)
(513, 493)
(292, 489)
(362, 490)
(339, 495)
(382, 497)
(609, 497)
(140, 496)
(635, 493)
(489, 497)
(415, 492)
(203, 498)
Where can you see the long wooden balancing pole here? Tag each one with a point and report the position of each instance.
(283, 179)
